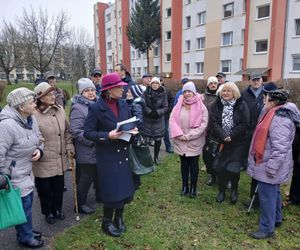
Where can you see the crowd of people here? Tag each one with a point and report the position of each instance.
(256, 129)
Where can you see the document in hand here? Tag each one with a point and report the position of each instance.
(127, 125)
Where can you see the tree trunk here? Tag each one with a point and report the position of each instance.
(148, 61)
(7, 78)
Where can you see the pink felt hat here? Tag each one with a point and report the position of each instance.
(110, 81)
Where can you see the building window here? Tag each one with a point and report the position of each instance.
(156, 69)
(168, 57)
(263, 11)
(261, 46)
(133, 71)
(241, 63)
(145, 70)
(187, 1)
(168, 12)
(186, 68)
(168, 35)
(199, 67)
(187, 45)
(226, 66)
(138, 54)
(297, 27)
(108, 17)
(188, 21)
(155, 51)
(108, 31)
(244, 6)
(120, 30)
(138, 70)
(109, 59)
(242, 36)
(201, 18)
(200, 42)
(296, 62)
(133, 54)
(227, 38)
(109, 45)
(228, 10)
(120, 46)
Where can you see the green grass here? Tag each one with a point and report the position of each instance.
(159, 218)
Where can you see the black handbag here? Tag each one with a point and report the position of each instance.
(214, 149)
(140, 160)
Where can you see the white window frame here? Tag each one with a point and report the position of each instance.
(257, 11)
(242, 36)
(187, 68)
(230, 33)
(201, 18)
(166, 34)
(167, 11)
(222, 69)
(188, 22)
(156, 69)
(156, 49)
(200, 45)
(296, 56)
(200, 66)
(166, 57)
(224, 9)
(109, 45)
(297, 27)
(264, 51)
(187, 45)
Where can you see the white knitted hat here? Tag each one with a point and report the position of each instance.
(190, 86)
(19, 96)
(85, 83)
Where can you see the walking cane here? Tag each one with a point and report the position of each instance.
(72, 164)
(252, 200)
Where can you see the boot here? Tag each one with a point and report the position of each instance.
(193, 192)
(220, 197)
(185, 190)
(118, 220)
(233, 196)
(107, 226)
(156, 152)
(156, 161)
(234, 189)
(222, 186)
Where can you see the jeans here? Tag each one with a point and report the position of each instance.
(24, 231)
(270, 205)
(167, 137)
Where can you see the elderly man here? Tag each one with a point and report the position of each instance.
(221, 78)
(146, 79)
(96, 77)
(59, 93)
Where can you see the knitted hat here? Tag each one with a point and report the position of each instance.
(42, 89)
(19, 96)
(155, 79)
(184, 80)
(85, 83)
(136, 91)
(190, 86)
(212, 79)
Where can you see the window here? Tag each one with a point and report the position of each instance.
(297, 27)
(187, 45)
(133, 71)
(201, 18)
(261, 46)
(145, 70)
(199, 67)
(108, 17)
(156, 51)
(242, 36)
(226, 66)
(186, 68)
(138, 54)
(168, 12)
(168, 57)
(108, 31)
(133, 54)
(188, 21)
(263, 11)
(227, 38)
(109, 45)
(200, 42)
(241, 63)
(138, 70)
(228, 10)
(296, 62)
(156, 69)
(187, 1)
(168, 35)
(244, 6)
(120, 46)
(109, 59)
(120, 30)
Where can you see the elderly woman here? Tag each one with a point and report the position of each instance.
(85, 149)
(20, 145)
(112, 153)
(188, 122)
(228, 125)
(156, 106)
(49, 171)
(270, 158)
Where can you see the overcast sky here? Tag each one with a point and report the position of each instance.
(79, 11)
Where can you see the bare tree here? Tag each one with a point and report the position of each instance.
(42, 36)
(11, 49)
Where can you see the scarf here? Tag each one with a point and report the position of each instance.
(260, 135)
(227, 115)
(197, 108)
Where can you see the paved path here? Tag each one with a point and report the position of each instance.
(8, 236)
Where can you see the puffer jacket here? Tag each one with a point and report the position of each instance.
(277, 160)
(19, 139)
(54, 128)
(84, 149)
(136, 107)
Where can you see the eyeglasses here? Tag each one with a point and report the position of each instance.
(52, 93)
(89, 90)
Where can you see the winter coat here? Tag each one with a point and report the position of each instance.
(54, 128)
(170, 99)
(154, 125)
(209, 99)
(114, 174)
(84, 149)
(235, 151)
(60, 97)
(136, 109)
(277, 159)
(195, 136)
(129, 82)
(18, 141)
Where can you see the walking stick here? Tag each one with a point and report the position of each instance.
(72, 164)
(252, 200)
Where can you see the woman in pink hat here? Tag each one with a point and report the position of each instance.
(114, 174)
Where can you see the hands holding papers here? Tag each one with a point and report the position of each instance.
(125, 129)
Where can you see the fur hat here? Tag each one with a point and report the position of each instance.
(212, 79)
(190, 86)
(42, 89)
(19, 96)
(136, 91)
(85, 83)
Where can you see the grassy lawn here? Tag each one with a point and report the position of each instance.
(159, 218)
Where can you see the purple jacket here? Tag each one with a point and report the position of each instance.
(84, 149)
(277, 160)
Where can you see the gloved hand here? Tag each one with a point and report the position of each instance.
(3, 181)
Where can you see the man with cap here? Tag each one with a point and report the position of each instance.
(146, 79)
(179, 92)
(122, 71)
(59, 93)
(20, 146)
(221, 78)
(96, 77)
(253, 96)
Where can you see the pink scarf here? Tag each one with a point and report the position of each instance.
(195, 114)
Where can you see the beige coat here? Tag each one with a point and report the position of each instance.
(54, 128)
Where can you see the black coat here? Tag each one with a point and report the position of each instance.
(156, 107)
(129, 82)
(114, 173)
(237, 149)
(136, 109)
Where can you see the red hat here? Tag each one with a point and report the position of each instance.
(110, 81)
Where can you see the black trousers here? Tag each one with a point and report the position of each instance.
(189, 169)
(225, 176)
(88, 174)
(209, 160)
(295, 185)
(50, 191)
